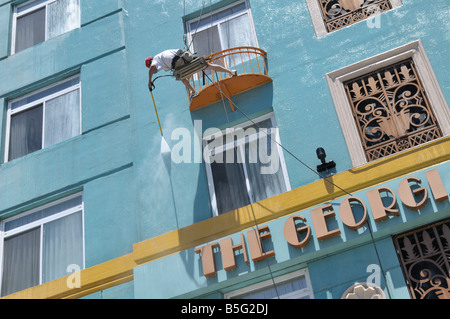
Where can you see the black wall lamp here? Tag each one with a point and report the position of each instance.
(325, 165)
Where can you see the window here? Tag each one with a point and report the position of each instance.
(43, 118)
(423, 255)
(389, 103)
(391, 110)
(39, 245)
(229, 27)
(296, 285)
(332, 15)
(37, 21)
(245, 164)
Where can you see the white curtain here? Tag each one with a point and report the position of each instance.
(238, 32)
(30, 30)
(207, 42)
(63, 16)
(239, 183)
(62, 246)
(264, 185)
(21, 262)
(62, 118)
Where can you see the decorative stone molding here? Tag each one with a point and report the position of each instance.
(352, 12)
(364, 291)
(336, 80)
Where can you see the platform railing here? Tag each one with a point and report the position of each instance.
(246, 60)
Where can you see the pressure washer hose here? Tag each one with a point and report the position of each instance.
(156, 111)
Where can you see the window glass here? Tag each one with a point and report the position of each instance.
(238, 32)
(30, 30)
(45, 92)
(42, 213)
(62, 118)
(207, 41)
(63, 16)
(62, 246)
(38, 246)
(215, 18)
(26, 132)
(245, 165)
(38, 21)
(227, 28)
(57, 106)
(21, 262)
(29, 5)
(229, 185)
(264, 185)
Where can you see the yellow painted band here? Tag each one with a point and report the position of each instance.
(120, 270)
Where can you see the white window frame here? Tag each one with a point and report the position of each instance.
(219, 22)
(42, 100)
(17, 15)
(317, 17)
(336, 79)
(241, 142)
(40, 223)
(306, 292)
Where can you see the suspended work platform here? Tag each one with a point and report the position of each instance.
(251, 65)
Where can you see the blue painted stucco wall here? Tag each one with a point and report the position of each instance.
(130, 193)
(98, 162)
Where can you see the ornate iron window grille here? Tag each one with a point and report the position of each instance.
(424, 256)
(338, 14)
(391, 110)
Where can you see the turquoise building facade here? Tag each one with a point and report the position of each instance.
(146, 216)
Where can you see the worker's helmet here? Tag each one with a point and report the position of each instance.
(148, 61)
